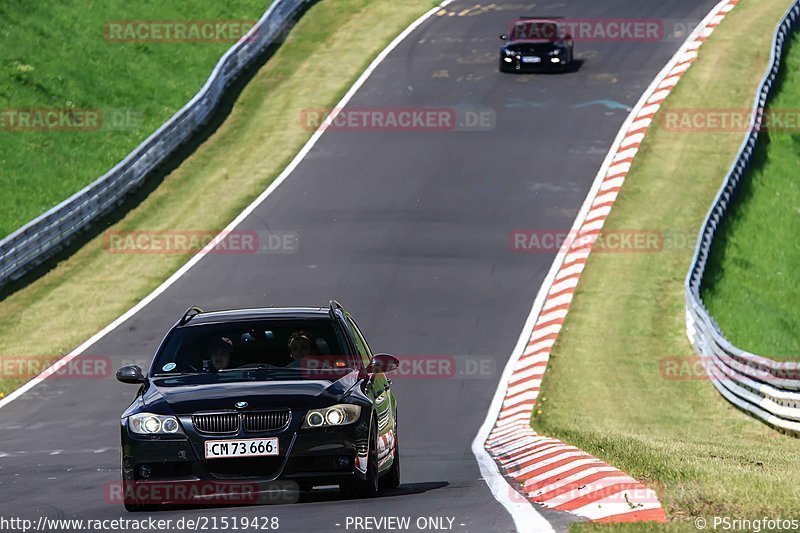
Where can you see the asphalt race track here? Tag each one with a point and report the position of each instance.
(410, 231)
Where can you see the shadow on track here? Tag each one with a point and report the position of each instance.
(320, 495)
(332, 494)
(573, 67)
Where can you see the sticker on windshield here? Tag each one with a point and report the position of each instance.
(169, 366)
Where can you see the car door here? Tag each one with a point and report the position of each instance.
(379, 390)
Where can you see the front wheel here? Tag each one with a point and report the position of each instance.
(129, 498)
(132, 505)
(136, 508)
(368, 487)
(391, 480)
(505, 67)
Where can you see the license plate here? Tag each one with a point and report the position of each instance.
(222, 449)
(531, 59)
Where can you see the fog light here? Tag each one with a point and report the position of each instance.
(343, 462)
(145, 471)
(554, 60)
(507, 59)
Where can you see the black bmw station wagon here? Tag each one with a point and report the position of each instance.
(255, 397)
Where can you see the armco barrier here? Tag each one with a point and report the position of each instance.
(764, 388)
(39, 239)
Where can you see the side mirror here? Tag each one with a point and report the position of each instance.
(382, 363)
(504, 37)
(131, 374)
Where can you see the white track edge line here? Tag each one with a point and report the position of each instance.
(489, 468)
(244, 214)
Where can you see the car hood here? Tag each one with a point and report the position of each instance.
(529, 44)
(187, 395)
(532, 41)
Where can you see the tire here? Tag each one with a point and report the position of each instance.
(368, 487)
(391, 480)
(139, 508)
(136, 508)
(569, 64)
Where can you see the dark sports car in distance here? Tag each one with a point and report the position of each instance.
(536, 44)
(238, 404)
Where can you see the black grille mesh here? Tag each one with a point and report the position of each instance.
(218, 424)
(228, 423)
(266, 421)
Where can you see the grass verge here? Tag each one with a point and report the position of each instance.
(56, 56)
(605, 390)
(751, 285)
(323, 55)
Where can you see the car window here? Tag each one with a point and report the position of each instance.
(534, 30)
(361, 343)
(262, 344)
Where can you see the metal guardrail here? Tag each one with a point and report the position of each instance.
(767, 389)
(42, 237)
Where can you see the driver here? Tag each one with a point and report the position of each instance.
(221, 352)
(301, 344)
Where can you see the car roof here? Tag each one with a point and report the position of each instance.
(235, 315)
(540, 18)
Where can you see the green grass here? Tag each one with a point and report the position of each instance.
(752, 285)
(604, 389)
(323, 55)
(55, 56)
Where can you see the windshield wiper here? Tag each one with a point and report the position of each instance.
(262, 366)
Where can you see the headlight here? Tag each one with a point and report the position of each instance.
(509, 53)
(555, 52)
(149, 424)
(338, 415)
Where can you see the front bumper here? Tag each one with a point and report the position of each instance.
(516, 64)
(174, 470)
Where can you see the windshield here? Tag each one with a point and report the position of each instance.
(525, 30)
(267, 345)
